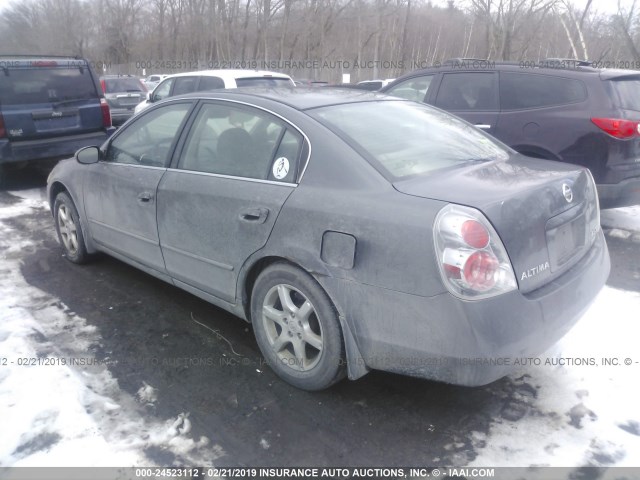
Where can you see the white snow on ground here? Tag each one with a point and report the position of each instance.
(627, 218)
(599, 400)
(52, 412)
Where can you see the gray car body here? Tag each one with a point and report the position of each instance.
(368, 241)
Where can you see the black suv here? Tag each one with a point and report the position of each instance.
(49, 108)
(558, 110)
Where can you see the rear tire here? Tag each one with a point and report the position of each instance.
(297, 328)
(69, 230)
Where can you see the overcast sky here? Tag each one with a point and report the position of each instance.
(602, 6)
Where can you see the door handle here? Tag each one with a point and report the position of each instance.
(145, 197)
(483, 126)
(257, 215)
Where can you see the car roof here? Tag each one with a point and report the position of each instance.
(8, 61)
(558, 67)
(300, 98)
(231, 74)
(117, 76)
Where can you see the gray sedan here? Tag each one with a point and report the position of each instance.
(355, 231)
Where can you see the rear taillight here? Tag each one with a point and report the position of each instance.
(617, 127)
(103, 85)
(472, 260)
(3, 131)
(106, 113)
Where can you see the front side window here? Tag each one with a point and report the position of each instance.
(163, 90)
(413, 89)
(149, 139)
(407, 138)
(521, 91)
(468, 91)
(241, 142)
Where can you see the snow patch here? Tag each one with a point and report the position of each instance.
(147, 394)
(51, 409)
(581, 415)
(627, 218)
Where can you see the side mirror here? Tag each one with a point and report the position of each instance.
(149, 97)
(88, 155)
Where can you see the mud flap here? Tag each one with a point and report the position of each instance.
(356, 367)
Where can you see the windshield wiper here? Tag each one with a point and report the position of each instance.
(65, 102)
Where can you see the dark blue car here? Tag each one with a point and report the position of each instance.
(49, 107)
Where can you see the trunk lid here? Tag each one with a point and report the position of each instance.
(545, 213)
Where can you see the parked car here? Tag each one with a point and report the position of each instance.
(49, 107)
(355, 231)
(153, 80)
(374, 85)
(123, 93)
(561, 110)
(203, 80)
(305, 82)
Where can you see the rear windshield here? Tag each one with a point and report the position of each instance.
(263, 82)
(408, 138)
(628, 92)
(116, 85)
(45, 85)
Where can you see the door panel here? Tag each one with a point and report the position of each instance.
(209, 225)
(219, 206)
(120, 195)
(121, 208)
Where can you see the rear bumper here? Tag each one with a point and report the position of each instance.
(623, 194)
(466, 343)
(121, 115)
(49, 148)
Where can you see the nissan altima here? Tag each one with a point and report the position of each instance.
(355, 231)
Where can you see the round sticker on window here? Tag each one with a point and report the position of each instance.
(281, 168)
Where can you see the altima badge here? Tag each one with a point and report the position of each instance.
(567, 192)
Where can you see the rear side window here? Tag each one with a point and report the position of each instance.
(520, 91)
(468, 91)
(263, 82)
(628, 93)
(210, 83)
(184, 85)
(241, 142)
(46, 85)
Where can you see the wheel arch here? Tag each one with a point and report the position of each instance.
(55, 189)
(356, 367)
(536, 152)
(257, 265)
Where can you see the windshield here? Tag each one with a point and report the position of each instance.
(407, 138)
(46, 85)
(263, 82)
(628, 92)
(117, 85)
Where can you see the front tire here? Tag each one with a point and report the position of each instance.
(297, 328)
(68, 228)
